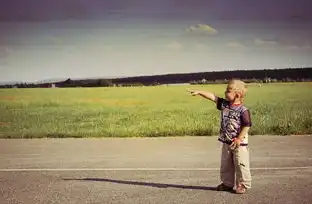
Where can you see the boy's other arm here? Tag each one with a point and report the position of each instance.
(236, 143)
(246, 124)
(243, 132)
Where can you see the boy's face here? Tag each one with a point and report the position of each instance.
(230, 93)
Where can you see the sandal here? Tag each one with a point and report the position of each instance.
(240, 189)
(223, 187)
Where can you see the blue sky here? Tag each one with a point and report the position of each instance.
(82, 39)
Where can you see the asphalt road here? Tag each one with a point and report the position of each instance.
(149, 170)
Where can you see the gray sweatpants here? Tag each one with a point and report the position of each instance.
(235, 163)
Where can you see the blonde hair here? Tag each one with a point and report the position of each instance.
(239, 87)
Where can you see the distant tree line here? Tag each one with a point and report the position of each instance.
(267, 75)
(264, 80)
(249, 76)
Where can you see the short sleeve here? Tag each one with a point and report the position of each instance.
(246, 119)
(220, 101)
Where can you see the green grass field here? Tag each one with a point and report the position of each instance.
(147, 111)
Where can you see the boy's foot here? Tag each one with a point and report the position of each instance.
(223, 187)
(240, 189)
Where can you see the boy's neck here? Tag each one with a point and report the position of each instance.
(235, 103)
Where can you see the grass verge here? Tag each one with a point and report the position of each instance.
(277, 109)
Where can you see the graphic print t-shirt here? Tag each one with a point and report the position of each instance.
(233, 117)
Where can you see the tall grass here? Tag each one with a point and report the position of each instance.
(147, 111)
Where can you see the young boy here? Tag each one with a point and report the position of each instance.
(235, 124)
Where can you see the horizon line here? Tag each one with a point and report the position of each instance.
(134, 76)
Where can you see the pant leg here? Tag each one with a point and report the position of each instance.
(242, 166)
(227, 170)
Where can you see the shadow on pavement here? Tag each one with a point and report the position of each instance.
(155, 185)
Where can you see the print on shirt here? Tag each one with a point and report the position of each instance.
(230, 124)
(231, 120)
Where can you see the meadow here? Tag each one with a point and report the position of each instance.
(277, 109)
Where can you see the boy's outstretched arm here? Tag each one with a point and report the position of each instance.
(205, 94)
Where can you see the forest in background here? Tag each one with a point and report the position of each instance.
(216, 77)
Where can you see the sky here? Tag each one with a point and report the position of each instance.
(45, 39)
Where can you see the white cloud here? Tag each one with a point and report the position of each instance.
(202, 29)
(259, 41)
(286, 43)
(306, 47)
(292, 47)
(236, 45)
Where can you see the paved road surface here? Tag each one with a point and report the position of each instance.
(149, 170)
